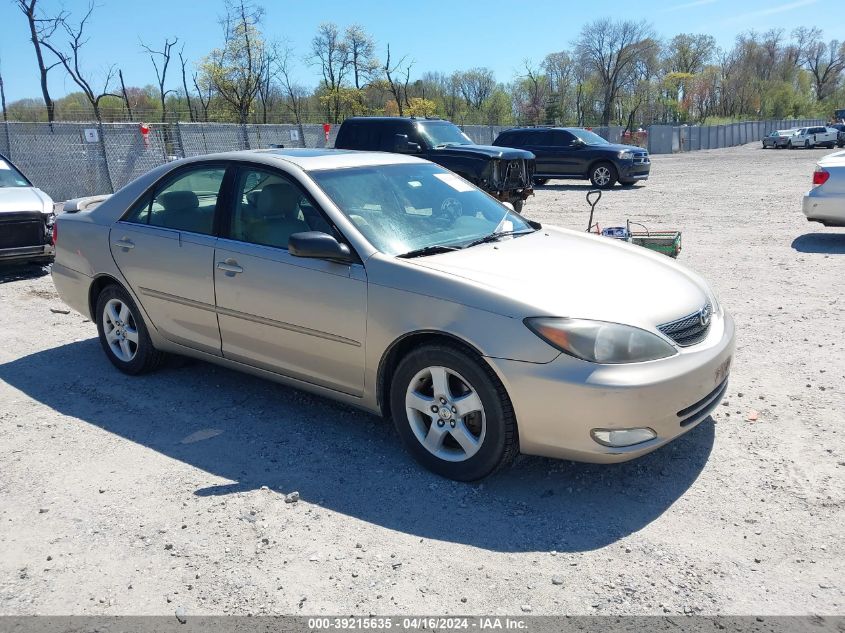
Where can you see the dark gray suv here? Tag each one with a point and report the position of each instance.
(565, 152)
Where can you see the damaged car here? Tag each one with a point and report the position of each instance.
(26, 218)
(503, 172)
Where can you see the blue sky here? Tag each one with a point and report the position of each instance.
(438, 34)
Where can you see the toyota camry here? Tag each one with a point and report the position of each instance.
(389, 283)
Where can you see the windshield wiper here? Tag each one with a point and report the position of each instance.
(496, 235)
(428, 250)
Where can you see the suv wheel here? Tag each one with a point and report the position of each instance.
(452, 413)
(807, 144)
(603, 175)
(541, 181)
(518, 203)
(123, 333)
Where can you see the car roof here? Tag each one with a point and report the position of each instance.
(309, 159)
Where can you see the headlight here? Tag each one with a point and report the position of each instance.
(600, 341)
(626, 154)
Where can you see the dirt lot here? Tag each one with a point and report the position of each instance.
(127, 495)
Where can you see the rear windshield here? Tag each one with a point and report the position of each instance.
(11, 177)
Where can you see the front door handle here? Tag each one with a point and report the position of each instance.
(124, 242)
(229, 266)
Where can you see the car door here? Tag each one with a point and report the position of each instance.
(164, 247)
(304, 318)
(539, 143)
(571, 158)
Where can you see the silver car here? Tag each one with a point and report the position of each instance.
(389, 283)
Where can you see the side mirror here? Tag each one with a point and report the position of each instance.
(318, 245)
(402, 145)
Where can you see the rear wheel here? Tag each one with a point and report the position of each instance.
(123, 333)
(541, 181)
(452, 413)
(603, 175)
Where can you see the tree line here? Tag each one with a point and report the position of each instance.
(615, 72)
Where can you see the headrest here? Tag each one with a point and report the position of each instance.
(278, 199)
(178, 200)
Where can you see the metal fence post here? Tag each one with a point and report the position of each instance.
(105, 155)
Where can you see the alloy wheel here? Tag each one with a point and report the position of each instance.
(601, 175)
(445, 414)
(120, 329)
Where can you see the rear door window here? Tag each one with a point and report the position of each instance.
(187, 202)
(562, 138)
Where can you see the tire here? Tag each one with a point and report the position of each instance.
(807, 144)
(487, 431)
(789, 145)
(603, 175)
(123, 333)
(541, 181)
(518, 204)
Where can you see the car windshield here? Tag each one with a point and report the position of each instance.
(401, 209)
(11, 177)
(590, 138)
(442, 133)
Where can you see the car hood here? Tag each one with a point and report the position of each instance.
(616, 147)
(488, 151)
(557, 272)
(16, 199)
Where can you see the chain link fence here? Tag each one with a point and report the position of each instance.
(70, 160)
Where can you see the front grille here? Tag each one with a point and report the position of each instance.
(514, 174)
(21, 233)
(641, 158)
(690, 329)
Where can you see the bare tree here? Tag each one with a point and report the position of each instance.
(398, 88)
(70, 59)
(125, 95)
(160, 67)
(184, 63)
(476, 85)
(330, 53)
(203, 93)
(40, 28)
(3, 95)
(296, 96)
(236, 70)
(361, 51)
(610, 49)
(824, 60)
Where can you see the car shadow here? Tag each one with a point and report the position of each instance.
(255, 433)
(583, 187)
(827, 243)
(21, 272)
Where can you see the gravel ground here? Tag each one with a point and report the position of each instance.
(146, 495)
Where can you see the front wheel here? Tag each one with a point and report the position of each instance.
(452, 413)
(807, 145)
(603, 175)
(123, 333)
(518, 203)
(789, 145)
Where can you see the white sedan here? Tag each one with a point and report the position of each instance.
(825, 202)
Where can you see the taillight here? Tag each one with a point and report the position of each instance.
(55, 237)
(820, 176)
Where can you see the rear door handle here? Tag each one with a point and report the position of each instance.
(124, 243)
(229, 266)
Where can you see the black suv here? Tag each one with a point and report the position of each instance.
(565, 152)
(503, 172)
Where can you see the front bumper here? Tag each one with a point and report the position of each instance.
(636, 171)
(25, 253)
(557, 404)
(827, 209)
